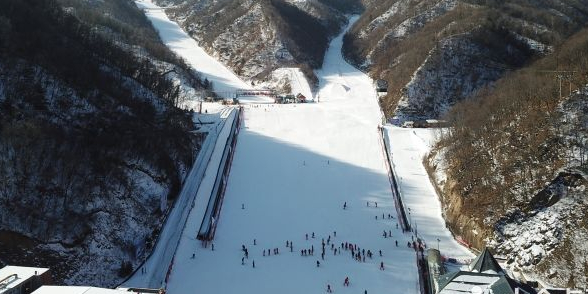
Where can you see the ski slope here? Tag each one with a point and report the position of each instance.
(191, 203)
(294, 168)
(224, 81)
(408, 147)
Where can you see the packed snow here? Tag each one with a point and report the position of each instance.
(301, 170)
(292, 174)
(408, 146)
(225, 82)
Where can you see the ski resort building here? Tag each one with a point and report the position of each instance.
(281, 99)
(485, 275)
(22, 280)
(300, 98)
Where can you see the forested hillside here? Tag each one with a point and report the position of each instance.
(513, 169)
(436, 53)
(92, 147)
(257, 36)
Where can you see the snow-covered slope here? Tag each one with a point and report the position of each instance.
(224, 81)
(255, 37)
(408, 149)
(292, 174)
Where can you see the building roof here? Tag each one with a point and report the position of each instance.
(466, 282)
(76, 290)
(12, 276)
(486, 276)
(486, 263)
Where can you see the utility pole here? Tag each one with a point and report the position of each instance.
(561, 75)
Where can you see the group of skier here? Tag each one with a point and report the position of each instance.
(357, 253)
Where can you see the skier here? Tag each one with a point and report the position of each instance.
(380, 252)
(307, 234)
(345, 205)
(212, 246)
(329, 289)
(254, 242)
(367, 204)
(335, 233)
(263, 252)
(193, 255)
(242, 206)
(396, 243)
(376, 203)
(346, 282)
(254, 264)
(390, 233)
(313, 235)
(318, 263)
(243, 247)
(268, 253)
(382, 265)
